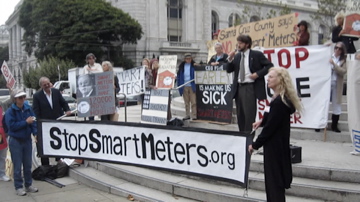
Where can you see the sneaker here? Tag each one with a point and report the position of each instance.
(186, 118)
(31, 189)
(355, 153)
(5, 178)
(20, 192)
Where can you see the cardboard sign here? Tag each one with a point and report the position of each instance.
(213, 93)
(132, 81)
(167, 71)
(95, 93)
(352, 25)
(270, 33)
(8, 75)
(156, 106)
(221, 155)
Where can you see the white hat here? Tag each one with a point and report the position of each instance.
(19, 94)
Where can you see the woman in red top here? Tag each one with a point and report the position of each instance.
(303, 36)
(3, 149)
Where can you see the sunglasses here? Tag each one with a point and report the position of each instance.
(22, 97)
(337, 48)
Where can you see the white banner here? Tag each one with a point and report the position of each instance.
(353, 95)
(218, 154)
(132, 81)
(8, 76)
(310, 70)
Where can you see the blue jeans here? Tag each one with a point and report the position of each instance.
(3, 154)
(21, 151)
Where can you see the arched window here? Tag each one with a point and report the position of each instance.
(174, 16)
(321, 34)
(234, 19)
(214, 22)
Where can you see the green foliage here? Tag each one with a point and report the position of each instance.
(327, 9)
(70, 29)
(49, 68)
(256, 8)
(4, 54)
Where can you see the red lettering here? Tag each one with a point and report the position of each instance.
(299, 58)
(288, 60)
(295, 118)
(268, 53)
(227, 46)
(263, 103)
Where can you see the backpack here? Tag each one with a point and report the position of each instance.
(42, 172)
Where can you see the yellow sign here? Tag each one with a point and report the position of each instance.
(270, 33)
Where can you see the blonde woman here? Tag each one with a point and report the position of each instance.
(275, 136)
(107, 66)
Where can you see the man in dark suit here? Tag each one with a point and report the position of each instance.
(249, 69)
(48, 103)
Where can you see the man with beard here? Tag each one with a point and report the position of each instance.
(249, 67)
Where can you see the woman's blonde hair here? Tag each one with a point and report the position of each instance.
(147, 60)
(286, 88)
(109, 65)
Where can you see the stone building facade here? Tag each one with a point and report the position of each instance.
(175, 27)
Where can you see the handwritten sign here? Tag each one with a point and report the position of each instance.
(213, 93)
(132, 81)
(7, 74)
(167, 71)
(101, 100)
(352, 25)
(270, 33)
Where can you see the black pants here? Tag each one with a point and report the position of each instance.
(245, 106)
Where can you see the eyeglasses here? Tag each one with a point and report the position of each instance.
(337, 48)
(22, 97)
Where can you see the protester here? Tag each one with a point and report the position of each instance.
(303, 36)
(185, 74)
(48, 103)
(220, 57)
(338, 31)
(338, 67)
(86, 86)
(3, 150)
(107, 66)
(148, 78)
(154, 66)
(249, 82)
(21, 123)
(91, 66)
(275, 136)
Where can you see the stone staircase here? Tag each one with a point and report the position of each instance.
(327, 171)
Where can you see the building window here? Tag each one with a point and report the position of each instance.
(214, 22)
(321, 34)
(174, 16)
(234, 19)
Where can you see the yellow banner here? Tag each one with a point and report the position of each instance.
(270, 33)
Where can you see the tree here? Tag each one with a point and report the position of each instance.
(49, 68)
(70, 29)
(4, 54)
(255, 11)
(327, 9)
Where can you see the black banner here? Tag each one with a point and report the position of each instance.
(213, 93)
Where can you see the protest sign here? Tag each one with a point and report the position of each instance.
(156, 106)
(352, 25)
(167, 71)
(310, 70)
(132, 81)
(8, 75)
(213, 93)
(270, 33)
(95, 93)
(220, 155)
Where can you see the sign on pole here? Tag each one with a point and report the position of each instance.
(8, 76)
(213, 93)
(167, 71)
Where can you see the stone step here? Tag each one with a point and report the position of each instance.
(315, 189)
(107, 183)
(180, 185)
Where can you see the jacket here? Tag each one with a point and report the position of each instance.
(181, 77)
(43, 109)
(16, 122)
(222, 60)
